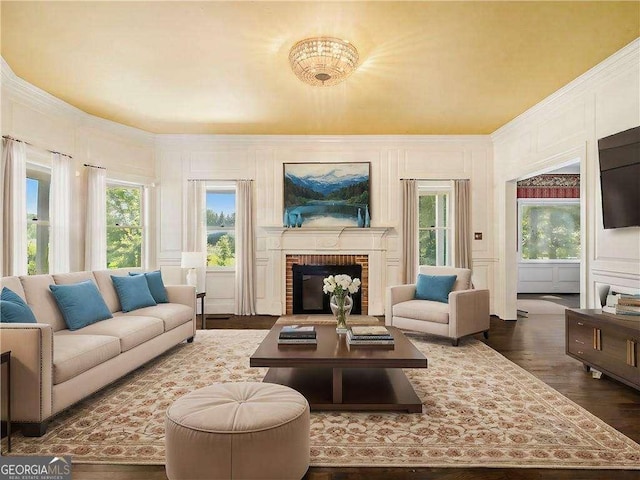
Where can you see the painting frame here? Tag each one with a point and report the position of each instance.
(326, 194)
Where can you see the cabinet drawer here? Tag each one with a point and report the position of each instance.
(580, 340)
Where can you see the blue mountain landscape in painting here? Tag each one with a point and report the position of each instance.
(326, 194)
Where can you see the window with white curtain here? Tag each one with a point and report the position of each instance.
(221, 226)
(434, 223)
(38, 183)
(125, 229)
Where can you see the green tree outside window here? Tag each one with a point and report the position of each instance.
(124, 227)
(550, 231)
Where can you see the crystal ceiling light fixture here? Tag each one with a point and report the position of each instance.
(323, 61)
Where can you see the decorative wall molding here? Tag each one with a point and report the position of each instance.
(623, 58)
(33, 96)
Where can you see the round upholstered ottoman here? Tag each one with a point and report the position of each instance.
(235, 431)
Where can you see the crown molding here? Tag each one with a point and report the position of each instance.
(32, 96)
(212, 140)
(627, 57)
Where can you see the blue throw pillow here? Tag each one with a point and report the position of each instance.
(13, 308)
(80, 303)
(156, 285)
(434, 287)
(133, 292)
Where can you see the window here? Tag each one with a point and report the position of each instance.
(221, 228)
(434, 228)
(38, 186)
(549, 229)
(124, 226)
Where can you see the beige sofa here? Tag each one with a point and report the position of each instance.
(53, 367)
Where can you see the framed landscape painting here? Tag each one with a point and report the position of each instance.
(326, 194)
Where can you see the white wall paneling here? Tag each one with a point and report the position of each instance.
(263, 157)
(33, 115)
(566, 125)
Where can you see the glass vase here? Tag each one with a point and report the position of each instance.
(341, 308)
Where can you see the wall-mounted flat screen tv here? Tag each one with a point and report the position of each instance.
(620, 178)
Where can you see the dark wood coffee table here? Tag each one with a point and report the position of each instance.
(334, 376)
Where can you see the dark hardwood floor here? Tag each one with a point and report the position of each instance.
(535, 343)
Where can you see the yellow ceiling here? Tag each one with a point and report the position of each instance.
(222, 67)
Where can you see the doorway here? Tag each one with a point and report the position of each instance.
(549, 240)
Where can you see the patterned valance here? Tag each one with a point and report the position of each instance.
(550, 186)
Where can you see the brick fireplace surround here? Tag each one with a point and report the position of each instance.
(337, 259)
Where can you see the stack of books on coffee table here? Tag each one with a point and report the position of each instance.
(377, 336)
(297, 335)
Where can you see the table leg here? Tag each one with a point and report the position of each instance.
(202, 313)
(337, 385)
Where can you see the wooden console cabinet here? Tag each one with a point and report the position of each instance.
(605, 342)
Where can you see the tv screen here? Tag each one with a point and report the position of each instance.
(620, 178)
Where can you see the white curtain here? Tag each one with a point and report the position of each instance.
(462, 243)
(95, 248)
(13, 208)
(196, 216)
(60, 214)
(245, 250)
(410, 229)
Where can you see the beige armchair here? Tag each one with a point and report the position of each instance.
(466, 313)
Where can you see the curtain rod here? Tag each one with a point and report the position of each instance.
(94, 166)
(8, 137)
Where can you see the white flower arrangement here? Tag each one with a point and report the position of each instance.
(340, 285)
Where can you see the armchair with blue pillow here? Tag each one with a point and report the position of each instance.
(442, 302)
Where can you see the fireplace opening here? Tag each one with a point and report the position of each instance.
(308, 296)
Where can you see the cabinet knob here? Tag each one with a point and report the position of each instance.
(581, 324)
(580, 342)
(580, 352)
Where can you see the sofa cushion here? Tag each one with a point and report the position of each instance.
(463, 282)
(81, 304)
(105, 285)
(14, 284)
(74, 354)
(156, 285)
(434, 287)
(41, 300)
(14, 309)
(73, 277)
(130, 330)
(422, 310)
(133, 292)
(172, 314)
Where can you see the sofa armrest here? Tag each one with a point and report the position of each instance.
(468, 312)
(397, 294)
(31, 346)
(183, 294)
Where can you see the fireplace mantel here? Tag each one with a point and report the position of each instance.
(327, 238)
(371, 242)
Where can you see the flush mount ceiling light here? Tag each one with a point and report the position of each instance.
(323, 61)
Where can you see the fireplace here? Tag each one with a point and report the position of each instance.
(308, 296)
(341, 263)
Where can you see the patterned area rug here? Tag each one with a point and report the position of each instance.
(480, 409)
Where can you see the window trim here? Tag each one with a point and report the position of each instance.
(435, 187)
(113, 183)
(39, 173)
(521, 202)
(220, 187)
